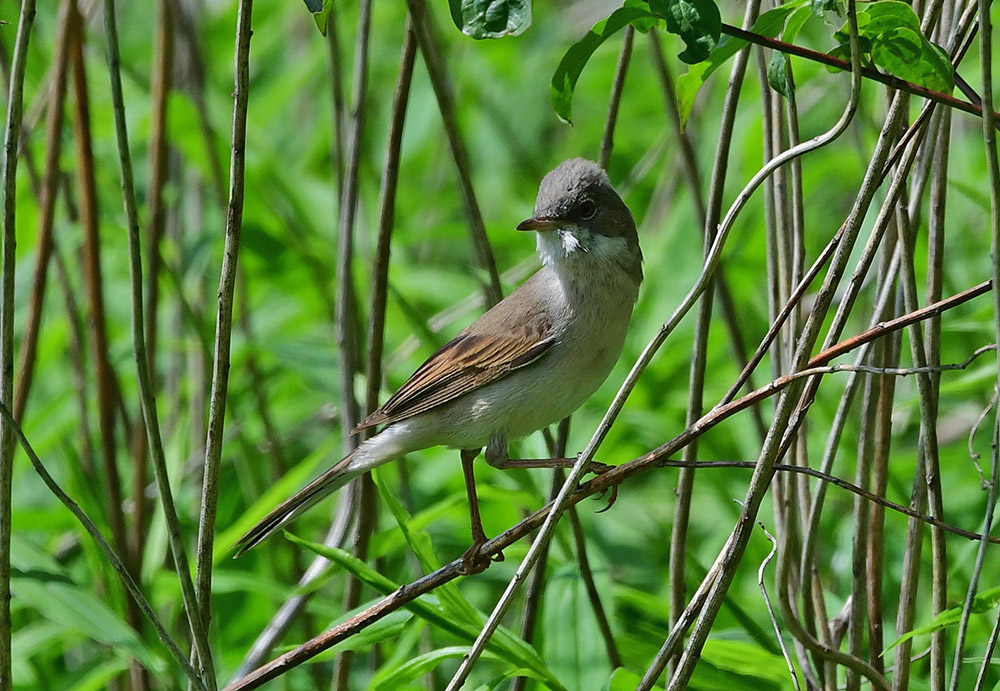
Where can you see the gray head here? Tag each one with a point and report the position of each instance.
(580, 218)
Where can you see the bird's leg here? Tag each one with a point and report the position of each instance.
(504, 463)
(496, 456)
(473, 561)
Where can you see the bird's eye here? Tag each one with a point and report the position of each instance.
(587, 209)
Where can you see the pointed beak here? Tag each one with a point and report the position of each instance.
(540, 223)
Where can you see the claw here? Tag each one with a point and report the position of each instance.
(474, 561)
(611, 500)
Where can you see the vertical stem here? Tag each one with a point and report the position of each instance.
(224, 318)
(47, 202)
(139, 347)
(94, 281)
(608, 140)
(993, 165)
(346, 318)
(162, 69)
(713, 211)
(11, 143)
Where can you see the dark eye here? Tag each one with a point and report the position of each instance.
(587, 209)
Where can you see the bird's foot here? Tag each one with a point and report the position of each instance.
(475, 561)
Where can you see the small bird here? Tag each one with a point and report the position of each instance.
(528, 362)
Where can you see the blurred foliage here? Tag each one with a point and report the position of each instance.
(68, 608)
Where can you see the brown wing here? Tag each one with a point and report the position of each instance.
(464, 364)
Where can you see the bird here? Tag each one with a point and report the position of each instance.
(529, 361)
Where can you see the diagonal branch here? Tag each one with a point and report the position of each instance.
(659, 457)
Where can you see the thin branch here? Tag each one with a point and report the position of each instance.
(9, 240)
(770, 610)
(868, 73)
(346, 318)
(139, 347)
(617, 86)
(224, 321)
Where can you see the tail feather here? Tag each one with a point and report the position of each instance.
(333, 479)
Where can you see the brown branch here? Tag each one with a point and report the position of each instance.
(46, 216)
(867, 72)
(659, 457)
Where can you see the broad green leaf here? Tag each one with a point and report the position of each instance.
(491, 18)
(320, 10)
(908, 55)
(569, 68)
(983, 602)
(100, 677)
(770, 24)
(749, 660)
(887, 15)
(777, 74)
(504, 643)
(697, 22)
(57, 598)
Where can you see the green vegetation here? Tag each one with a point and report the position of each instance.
(862, 595)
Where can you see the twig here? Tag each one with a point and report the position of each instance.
(109, 553)
(770, 610)
(624, 56)
(139, 347)
(104, 375)
(615, 476)
(9, 240)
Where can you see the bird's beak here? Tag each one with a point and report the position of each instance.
(540, 223)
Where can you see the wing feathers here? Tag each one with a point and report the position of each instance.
(464, 364)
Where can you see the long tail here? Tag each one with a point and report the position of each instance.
(342, 472)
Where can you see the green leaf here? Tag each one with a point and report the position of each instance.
(573, 62)
(768, 24)
(983, 602)
(77, 609)
(886, 15)
(420, 543)
(821, 7)
(697, 22)
(777, 74)
(320, 10)
(507, 645)
(491, 18)
(908, 55)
